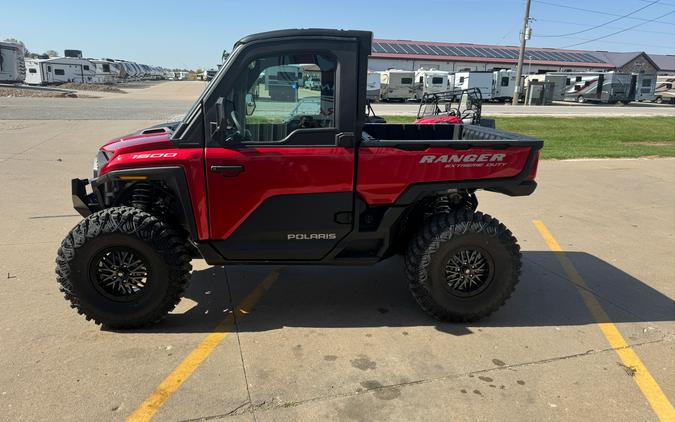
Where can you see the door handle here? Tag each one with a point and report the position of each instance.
(228, 171)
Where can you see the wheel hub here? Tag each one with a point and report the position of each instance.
(468, 271)
(119, 273)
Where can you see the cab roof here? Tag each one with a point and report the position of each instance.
(365, 37)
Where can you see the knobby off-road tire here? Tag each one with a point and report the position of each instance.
(153, 256)
(435, 278)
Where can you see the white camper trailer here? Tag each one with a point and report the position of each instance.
(59, 70)
(373, 86)
(645, 87)
(107, 72)
(396, 85)
(480, 80)
(665, 89)
(503, 84)
(430, 82)
(12, 65)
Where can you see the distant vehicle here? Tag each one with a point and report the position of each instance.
(645, 87)
(282, 82)
(373, 86)
(600, 87)
(480, 80)
(12, 65)
(169, 74)
(209, 74)
(429, 82)
(396, 85)
(59, 70)
(503, 84)
(313, 83)
(107, 72)
(664, 92)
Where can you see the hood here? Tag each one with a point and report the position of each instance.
(152, 138)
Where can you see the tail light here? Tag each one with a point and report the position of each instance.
(533, 167)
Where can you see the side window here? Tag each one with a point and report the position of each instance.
(86, 67)
(505, 81)
(578, 79)
(277, 100)
(59, 72)
(406, 81)
(32, 71)
(436, 80)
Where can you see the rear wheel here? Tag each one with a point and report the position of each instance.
(581, 99)
(659, 100)
(123, 268)
(462, 266)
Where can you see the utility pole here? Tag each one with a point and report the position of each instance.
(524, 36)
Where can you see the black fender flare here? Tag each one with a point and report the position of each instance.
(172, 176)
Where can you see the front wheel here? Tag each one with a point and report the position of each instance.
(581, 99)
(123, 268)
(462, 266)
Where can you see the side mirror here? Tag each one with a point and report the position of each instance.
(215, 127)
(220, 111)
(250, 104)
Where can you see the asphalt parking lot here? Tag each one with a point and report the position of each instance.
(588, 334)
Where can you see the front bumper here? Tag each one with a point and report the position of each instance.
(85, 204)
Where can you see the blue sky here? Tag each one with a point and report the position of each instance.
(193, 34)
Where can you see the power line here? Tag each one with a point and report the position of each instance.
(618, 32)
(661, 3)
(600, 12)
(609, 27)
(602, 24)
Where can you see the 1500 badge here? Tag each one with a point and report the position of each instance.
(155, 155)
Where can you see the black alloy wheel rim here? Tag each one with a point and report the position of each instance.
(468, 271)
(119, 273)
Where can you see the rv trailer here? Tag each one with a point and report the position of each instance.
(664, 91)
(480, 80)
(645, 87)
(107, 72)
(396, 85)
(373, 86)
(12, 65)
(503, 85)
(59, 70)
(429, 82)
(601, 87)
(282, 82)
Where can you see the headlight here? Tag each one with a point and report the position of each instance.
(99, 161)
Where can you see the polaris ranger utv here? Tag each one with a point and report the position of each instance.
(240, 181)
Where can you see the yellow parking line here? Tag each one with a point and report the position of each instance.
(651, 390)
(178, 376)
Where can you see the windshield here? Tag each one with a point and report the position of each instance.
(197, 106)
